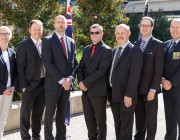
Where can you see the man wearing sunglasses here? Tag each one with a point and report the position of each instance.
(93, 81)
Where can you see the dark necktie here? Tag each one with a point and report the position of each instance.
(143, 45)
(93, 50)
(116, 60)
(64, 47)
(172, 47)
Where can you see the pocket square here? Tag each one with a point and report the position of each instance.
(149, 53)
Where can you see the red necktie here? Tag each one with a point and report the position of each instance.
(93, 50)
(63, 45)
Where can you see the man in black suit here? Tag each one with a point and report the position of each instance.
(171, 82)
(60, 61)
(149, 85)
(93, 81)
(124, 76)
(31, 81)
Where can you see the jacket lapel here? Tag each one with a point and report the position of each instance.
(149, 45)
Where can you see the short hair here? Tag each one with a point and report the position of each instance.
(7, 29)
(61, 17)
(148, 18)
(175, 20)
(97, 26)
(37, 22)
(126, 27)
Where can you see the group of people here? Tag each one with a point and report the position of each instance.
(129, 77)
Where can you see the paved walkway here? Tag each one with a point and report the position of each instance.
(77, 129)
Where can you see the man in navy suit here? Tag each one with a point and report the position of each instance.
(149, 84)
(93, 81)
(31, 81)
(59, 57)
(124, 77)
(171, 82)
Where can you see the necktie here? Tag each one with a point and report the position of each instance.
(143, 45)
(172, 47)
(93, 50)
(63, 45)
(116, 60)
(38, 45)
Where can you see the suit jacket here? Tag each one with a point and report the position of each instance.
(153, 65)
(126, 74)
(28, 64)
(4, 72)
(172, 68)
(92, 71)
(56, 63)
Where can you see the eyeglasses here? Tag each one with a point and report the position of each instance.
(144, 26)
(4, 34)
(96, 33)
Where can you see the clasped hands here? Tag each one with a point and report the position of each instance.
(82, 86)
(9, 91)
(166, 84)
(67, 83)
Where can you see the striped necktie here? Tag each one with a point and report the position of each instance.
(172, 47)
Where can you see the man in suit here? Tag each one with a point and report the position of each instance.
(149, 85)
(171, 82)
(31, 81)
(60, 61)
(124, 76)
(93, 81)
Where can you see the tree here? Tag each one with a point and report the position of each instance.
(19, 13)
(106, 13)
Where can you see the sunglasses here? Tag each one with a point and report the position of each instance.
(96, 33)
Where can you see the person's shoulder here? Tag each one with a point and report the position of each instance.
(168, 41)
(157, 40)
(70, 39)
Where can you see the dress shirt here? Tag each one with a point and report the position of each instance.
(6, 60)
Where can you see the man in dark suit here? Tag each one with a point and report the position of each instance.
(171, 82)
(149, 85)
(93, 81)
(31, 81)
(60, 61)
(124, 76)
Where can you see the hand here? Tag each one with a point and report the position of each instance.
(82, 86)
(127, 101)
(150, 95)
(8, 92)
(67, 83)
(167, 85)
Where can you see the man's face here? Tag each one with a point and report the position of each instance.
(4, 36)
(96, 35)
(175, 30)
(146, 28)
(122, 35)
(36, 31)
(60, 24)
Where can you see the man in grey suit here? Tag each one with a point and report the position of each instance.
(171, 82)
(93, 81)
(59, 57)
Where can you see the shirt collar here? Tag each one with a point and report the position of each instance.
(98, 44)
(147, 38)
(124, 46)
(59, 36)
(176, 41)
(35, 42)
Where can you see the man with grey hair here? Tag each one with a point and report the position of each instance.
(171, 82)
(31, 74)
(93, 81)
(124, 76)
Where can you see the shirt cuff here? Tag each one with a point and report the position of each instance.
(61, 81)
(153, 90)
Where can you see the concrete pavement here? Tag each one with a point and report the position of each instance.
(77, 129)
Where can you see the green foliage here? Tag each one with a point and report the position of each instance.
(104, 12)
(161, 27)
(20, 12)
